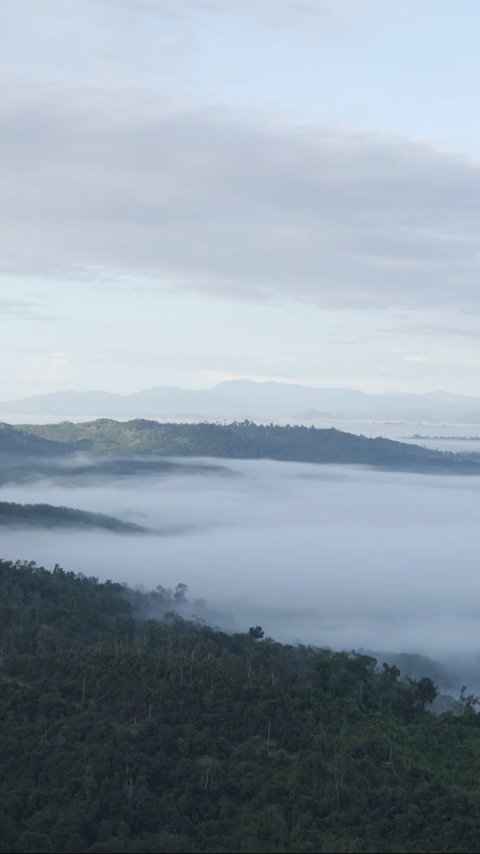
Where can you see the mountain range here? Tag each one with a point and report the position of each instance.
(248, 399)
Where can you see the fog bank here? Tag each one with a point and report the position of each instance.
(331, 555)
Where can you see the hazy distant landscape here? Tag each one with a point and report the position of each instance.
(240, 399)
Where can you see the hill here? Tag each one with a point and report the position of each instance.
(121, 734)
(247, 440)
(15, 515)
(15, 442)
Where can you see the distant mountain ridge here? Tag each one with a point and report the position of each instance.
(246, 399)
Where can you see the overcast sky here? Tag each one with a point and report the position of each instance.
(194, 190)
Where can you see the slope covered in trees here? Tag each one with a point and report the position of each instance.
(16, 442)
(16, 515)
(126, 734)
(247, 440)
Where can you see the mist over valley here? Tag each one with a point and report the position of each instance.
(340, 556)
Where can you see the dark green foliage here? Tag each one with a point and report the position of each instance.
(256, 632)
(127, 735)
(49, 516)
(15, 441)
(247, 440)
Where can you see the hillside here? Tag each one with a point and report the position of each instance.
(128, 735)
(16, 442)
(247, 440)
(15, 515)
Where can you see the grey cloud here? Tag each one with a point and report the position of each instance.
(220, 203)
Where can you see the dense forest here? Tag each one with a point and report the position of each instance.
(16, 515)
(246, 440)
(125, 733)
(16, 442)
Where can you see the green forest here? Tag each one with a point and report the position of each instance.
(16, 515)
(237, 440)
(125, 733)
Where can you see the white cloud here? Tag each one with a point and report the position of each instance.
(19, 308)
(46, 369)
(416, 358)
(216, 202)
(104, 169)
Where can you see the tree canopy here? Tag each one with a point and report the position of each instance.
(128, 734)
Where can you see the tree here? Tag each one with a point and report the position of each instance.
(256, 632)
(180, 594)
(468, 702)
(425, 691)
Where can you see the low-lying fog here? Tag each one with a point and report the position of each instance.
(332, 555)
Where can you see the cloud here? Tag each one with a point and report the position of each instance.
(416, 358)
(332, 555)
(462, 327)
(269, 11)
(123, 39)
(105, 172)
(46, 368)
(233, 205)
(179, 8)
(19, 308)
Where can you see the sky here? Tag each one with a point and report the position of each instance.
(197, 190)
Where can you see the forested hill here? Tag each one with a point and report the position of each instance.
(121, 734)
(17, 442)
(246, 440)
(14, 515)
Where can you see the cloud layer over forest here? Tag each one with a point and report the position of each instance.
(337, 556)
